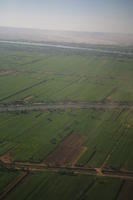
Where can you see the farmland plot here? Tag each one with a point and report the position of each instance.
(95, 139)
(55, 75)
(64, 187)
(105, 134)
(6, 177)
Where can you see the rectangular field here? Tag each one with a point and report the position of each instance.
(68, 151)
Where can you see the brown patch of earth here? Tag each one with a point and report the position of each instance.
(109, 98)
(99, 171)
(68, 151)
(5, 72)
(27, 99)
(128, 126)
(7, 158)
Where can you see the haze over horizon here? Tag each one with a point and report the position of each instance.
(113, 16)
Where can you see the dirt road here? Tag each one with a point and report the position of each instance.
(66, 105)
(34, 167)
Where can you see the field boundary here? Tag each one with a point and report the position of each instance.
(34, 167)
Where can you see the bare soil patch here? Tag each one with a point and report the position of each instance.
(109, 98)
(68, 151)
(7, 158)
(5, 72)
(27, 99)
(128, 125)
(99, 171)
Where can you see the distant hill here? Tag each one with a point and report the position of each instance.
(23, 34)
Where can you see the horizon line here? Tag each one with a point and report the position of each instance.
(61, 30)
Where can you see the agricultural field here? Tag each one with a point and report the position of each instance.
(36, 74)
(66, 123)
(5, 178)
(32, 136)
(65, 187)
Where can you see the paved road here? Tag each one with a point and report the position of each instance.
(63, 106)
(68, 47)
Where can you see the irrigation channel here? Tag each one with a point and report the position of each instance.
(68, 47)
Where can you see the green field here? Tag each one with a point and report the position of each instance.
(58, 75)
(30, 136)
(32, 75)
(65, 187)
(5, 178)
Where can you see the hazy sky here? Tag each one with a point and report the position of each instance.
(81, 15)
